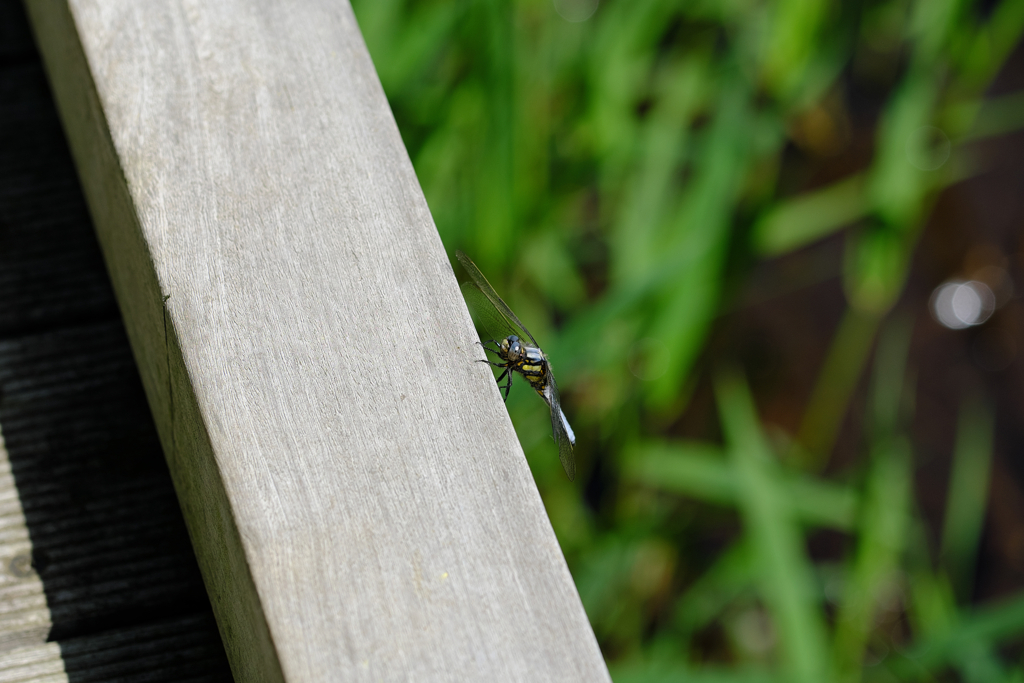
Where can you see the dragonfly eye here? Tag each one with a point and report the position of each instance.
(515, 348)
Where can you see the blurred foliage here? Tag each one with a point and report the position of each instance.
(615, 171)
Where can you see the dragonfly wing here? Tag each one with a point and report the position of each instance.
(565, 453)
(560, 429)
(485, 287)
(486, 317)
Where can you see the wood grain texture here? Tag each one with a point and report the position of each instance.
(360, 506)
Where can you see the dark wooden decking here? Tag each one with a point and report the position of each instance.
(98, 580)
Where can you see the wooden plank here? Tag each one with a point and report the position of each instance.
(360, 506)
(182, 649)
(24, 617)
(91, 536)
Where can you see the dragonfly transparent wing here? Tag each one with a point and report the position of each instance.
(560, 429)
(486, 317)
(513, 322)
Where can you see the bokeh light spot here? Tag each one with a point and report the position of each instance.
(958, 304)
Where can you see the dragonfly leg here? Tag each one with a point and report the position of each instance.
(508, 384)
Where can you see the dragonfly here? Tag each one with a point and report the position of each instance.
(517, 351)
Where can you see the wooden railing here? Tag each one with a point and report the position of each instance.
(358, 501)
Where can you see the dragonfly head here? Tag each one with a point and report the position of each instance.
(512, 347)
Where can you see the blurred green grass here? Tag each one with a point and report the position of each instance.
(617, 179)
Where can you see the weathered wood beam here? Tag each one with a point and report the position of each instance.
(358, 501)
